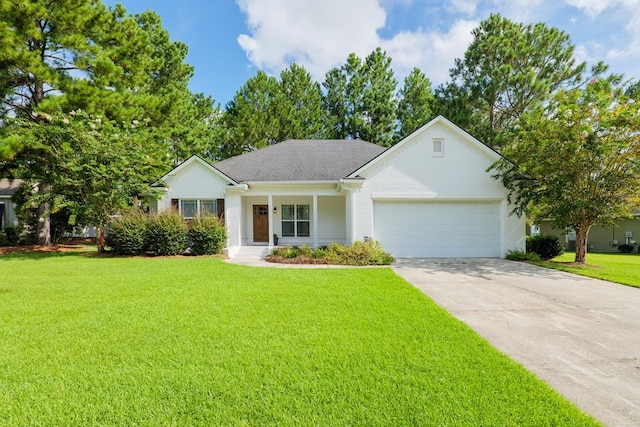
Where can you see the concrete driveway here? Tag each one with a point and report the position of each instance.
(580, 335)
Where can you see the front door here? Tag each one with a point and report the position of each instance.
(260, 223)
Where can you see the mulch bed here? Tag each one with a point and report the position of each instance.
(299, 260)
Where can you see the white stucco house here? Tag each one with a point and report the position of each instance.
(430, 195)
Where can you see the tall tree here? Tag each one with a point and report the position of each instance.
(359, 99)
(379, 103)
(576, 160)
(77, 54)
(299, 104)
(507, 68)
(415, 107)
(334, 104)
(250, 117)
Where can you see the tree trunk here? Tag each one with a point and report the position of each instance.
(100, 239)
(44, 225)
(582, 235)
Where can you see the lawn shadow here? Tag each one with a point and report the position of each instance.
(41, 255)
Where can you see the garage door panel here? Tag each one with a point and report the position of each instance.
(436, 229)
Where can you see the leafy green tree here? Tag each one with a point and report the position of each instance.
(415, 107)
(576, 160)
(77, 54)
(96, 171)
(508, 68)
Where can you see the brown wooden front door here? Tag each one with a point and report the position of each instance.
(260, 223)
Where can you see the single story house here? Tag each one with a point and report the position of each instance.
(430, 195)
(7, 207)
(601, 238)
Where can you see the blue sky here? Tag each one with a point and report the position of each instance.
(230, 40)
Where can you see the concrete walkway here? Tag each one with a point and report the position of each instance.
(580, 335)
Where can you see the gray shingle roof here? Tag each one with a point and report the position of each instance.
(301, 160)
(7, 187)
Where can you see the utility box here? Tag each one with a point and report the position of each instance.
(628, 234)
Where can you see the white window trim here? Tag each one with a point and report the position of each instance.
(295, 219)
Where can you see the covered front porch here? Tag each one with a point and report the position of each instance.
(285, 216)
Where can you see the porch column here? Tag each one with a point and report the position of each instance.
(315, 220)
(270, 203)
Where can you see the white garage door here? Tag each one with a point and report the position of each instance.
(438, 230)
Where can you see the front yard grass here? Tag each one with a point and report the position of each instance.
(614, 267)
(86, 340)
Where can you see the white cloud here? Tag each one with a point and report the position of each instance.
(320, 34)
(316, 34)
(434, 53)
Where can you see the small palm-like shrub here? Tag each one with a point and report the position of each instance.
(545, 245)
(207, 235)
(126, 234)
(167, 234)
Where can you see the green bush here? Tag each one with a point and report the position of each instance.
(359, 253)
(545, 245)
(126, 235)
(13, 235)
(207, 235)
(3, 239)
(167, 234)
(519, 255)
(626, 249)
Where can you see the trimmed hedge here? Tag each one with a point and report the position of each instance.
(207, 235)
(126, 235)
(626, 249)
(359, 253)
(167, 234)
(545, 245)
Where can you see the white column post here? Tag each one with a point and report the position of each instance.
(270, 203)
(315, 220)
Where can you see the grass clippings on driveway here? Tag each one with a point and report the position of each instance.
(614, 267)
(194, 341)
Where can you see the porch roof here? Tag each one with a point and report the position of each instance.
(301, 160)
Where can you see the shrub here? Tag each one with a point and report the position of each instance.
(13, 235)
(519, 255)
(207, 235)
(626, 249)
(3, 239)
(545, 245)
(167, 234)
(126, 234)
(359, 253)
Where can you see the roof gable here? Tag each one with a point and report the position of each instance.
(8, 187)
(300, 160)
(182, 166)
(438, 121)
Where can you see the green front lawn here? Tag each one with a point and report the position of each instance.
(194, 341)
(614, 267)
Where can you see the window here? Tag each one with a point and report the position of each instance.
(295, 221)
(191, 208)
(438, 147)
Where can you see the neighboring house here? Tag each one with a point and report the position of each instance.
(430, 195)
(601, 239)
(7, 207)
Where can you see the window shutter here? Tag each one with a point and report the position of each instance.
(220, 209)
(175, 205)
